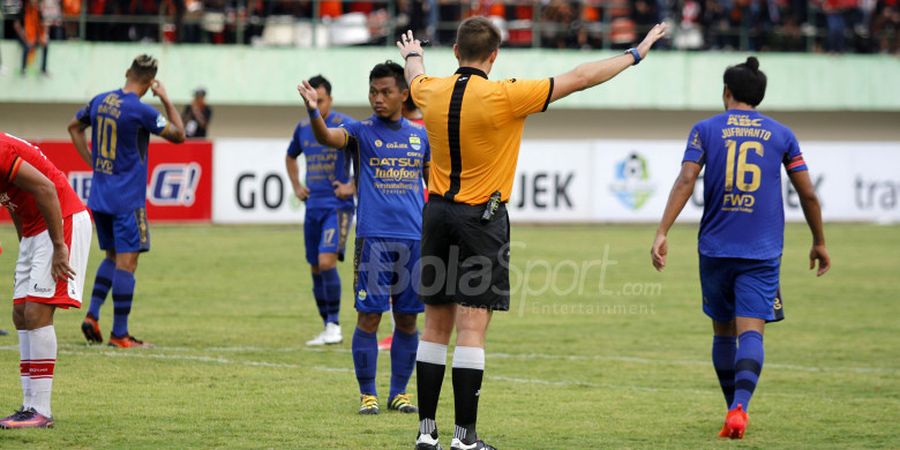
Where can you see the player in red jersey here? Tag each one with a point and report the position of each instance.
(54, 231)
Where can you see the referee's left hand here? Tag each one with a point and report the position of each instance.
(408, 44)
(655, 34)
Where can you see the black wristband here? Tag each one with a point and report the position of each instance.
(411, 54)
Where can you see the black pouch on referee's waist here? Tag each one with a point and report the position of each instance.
(490, 208)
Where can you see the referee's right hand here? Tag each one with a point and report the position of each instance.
(409, 44)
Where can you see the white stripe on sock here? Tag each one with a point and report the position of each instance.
(25, 355)
(430, 352)
(468, 358)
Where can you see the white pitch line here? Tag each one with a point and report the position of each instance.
(652, 361)
(524, 356)
(141, 354)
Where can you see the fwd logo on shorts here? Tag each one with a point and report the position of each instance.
(174, 184)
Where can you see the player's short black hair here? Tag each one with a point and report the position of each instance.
(389, 69)
(143, 68)
(746, 82)
(318, 81)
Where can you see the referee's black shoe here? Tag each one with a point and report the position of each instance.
(457, 444)
(428, 441)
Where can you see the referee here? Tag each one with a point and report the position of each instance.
(475, 128)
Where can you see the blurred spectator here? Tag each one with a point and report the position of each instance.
(32, 33)
(837, 15)
(557, 31)
(750, 25)
(886, 27)
(71, 11)
(197, 115)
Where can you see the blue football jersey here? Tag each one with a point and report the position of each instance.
(743, 152)
(324, 165)
(120, 133)
(390, 159)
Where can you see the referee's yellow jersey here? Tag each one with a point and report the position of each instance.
(475, 127)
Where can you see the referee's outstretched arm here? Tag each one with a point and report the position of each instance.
(590, 74)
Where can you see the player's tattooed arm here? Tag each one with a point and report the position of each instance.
(79, 140)
(590, 74)
(42, 189)
(809, 202)
(678, 197)
(329, 137)
(174, 130)
(411, 51)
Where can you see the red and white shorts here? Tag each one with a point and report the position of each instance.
(34, 281)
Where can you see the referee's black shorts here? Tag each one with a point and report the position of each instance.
(464, 260)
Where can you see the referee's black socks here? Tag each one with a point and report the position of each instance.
(431, 362)
(468, 371)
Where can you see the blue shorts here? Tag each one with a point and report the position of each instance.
(735, 287)
(386, 269)
(124, 232)
(325, 231)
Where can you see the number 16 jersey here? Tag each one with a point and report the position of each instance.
(743, 213)
(120, 134)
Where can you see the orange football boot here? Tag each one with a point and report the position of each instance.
(128, 341)
(736, 422)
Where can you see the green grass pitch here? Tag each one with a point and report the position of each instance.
(591, 355)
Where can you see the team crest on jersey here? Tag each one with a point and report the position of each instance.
(415, 142)
(161, 121)
(362, 294)
(4, 200)
(174, 184)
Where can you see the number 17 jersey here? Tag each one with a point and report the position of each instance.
(120, 134)
(743, 213)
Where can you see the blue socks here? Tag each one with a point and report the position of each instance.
(331, 289)
(102, 284)
(747, 367)
(723, 350)
(403, 360)
(123, 294)
(365, 360)
(319, 295)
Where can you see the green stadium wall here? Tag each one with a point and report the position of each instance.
(266, 76)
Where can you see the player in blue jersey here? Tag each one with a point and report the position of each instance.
(742, 230)
(391, 157)
(121, 128)
(328, 194)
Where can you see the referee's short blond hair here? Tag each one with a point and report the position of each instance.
(477, 37)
